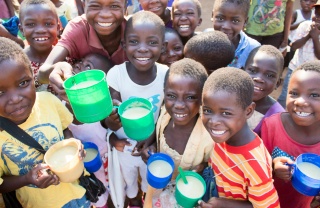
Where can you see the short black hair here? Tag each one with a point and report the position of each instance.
(309, 66)
(242, 4)
(170, 30)
(231, 80)
(190, 68)
(10, 50)
(196, 2)
(145, 17)
(212, 49)
(270, 51)
(25, 4)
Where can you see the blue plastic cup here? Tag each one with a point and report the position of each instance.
(302, 182)
(159, 178)
(92, 161)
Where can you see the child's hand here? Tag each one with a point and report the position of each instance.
(145, 153)
(113, 120)
(41, 177)
(210, 204)
(118, 143)
(281, 169)
(199, 168)
(314, 30)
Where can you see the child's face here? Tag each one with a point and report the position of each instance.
(105, 16)
(39, 24)
(264, 71)
(317, 14)
(174, 49)
(230, 19)
(223, 116)
(143, 45)
(306, 5)
(156, 6)
(182, 98)
(91, 61)
(17, 91)
(303, 99)
(185, 17)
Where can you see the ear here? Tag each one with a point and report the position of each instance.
(245, 24)
(58, 26)
(250, 110)
(164, 46)
(123, 44)
(200, 20)
(21, 29)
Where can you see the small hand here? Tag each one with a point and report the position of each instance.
(281, 169)
(314, 30)
(210, 204)
(113, 120)
(118, 143)
(41, 176)
(199, 168)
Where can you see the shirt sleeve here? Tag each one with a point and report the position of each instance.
(113, 78)
(264, 195)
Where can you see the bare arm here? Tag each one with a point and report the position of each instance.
(79, 7)
(287, 23)
(314, 34)
(57, 54)
(225, 203)
(10, 7)
(294, 17)
(5, 33)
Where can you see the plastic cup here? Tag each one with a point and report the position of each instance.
(89, 96)
(301, 179)
(63, 20)
(188, 195)
(137, 118)
(159, 170)
(63, 160)
(92, 161)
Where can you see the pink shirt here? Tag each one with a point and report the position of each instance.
(80, 39)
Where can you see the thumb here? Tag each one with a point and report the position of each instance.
(203, 204)
(67, 70)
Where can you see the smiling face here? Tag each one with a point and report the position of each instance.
(39, 24)
(265, 72)
(303, 99)
(174, 49)
(223, 116)
(17, 91)
(306, 5)
(93, 61)
(182, 98)
(105, 16)
(143, 45)
(156, 6)
(229, 19)
(185, 17)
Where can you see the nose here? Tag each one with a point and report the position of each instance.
(179, 104)
(301, 101)
(104, 12)
(214, 120)
(257, 78)
(15, 97)
(226, 25)
(40, 29)
(171, 53)
(143, 48)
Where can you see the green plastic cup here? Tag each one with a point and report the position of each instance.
(89, 96)
(137, 118)
(188, 195)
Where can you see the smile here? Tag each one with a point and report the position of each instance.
(257, 88)
(41, 39)
(103, 24)
(184, 26)
(18, 111)
(218, 132)
(180, 115)
(143, 59)
(303, 114)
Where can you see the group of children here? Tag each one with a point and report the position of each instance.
(210, 94)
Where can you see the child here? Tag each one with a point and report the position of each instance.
(42, 116)
(307, 41)
(264, 65)
(63, 10)
(99, 30)
(269, 22)
(186, 17)
(212, 49)
(241, 163)
(180, 132)
(160, 8)
(93, 132)
(295, 132)
(230, 16)
(140, 77)
(39, 25)
(174, 49)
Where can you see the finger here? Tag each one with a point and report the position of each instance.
(116, 102)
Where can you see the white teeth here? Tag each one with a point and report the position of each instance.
(180, 115)
(218, 132)
(257, 88)
(102, 24)
(142, 59)
(303, 114)
(184, 26)
(41, 39)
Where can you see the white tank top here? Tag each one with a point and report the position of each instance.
(300, 18)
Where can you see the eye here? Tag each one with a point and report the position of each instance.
(170, 96)
(206, 111)
(176, 14)
(293, 93)
(1, 93)
(236, 21)
(87, 67)
(314, 95)
(191, 97)
(177, 48)
(190, 13)
(153, 42)
(24, 83)
(133, 42)
(115, 6)
(30, 24)
(225, 113)
(251, 70)
(271, 75)
(219, 18)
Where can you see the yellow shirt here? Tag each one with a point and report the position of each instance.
(45, 124)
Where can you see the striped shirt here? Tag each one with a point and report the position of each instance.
(244, 173)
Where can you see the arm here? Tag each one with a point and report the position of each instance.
(225, 203)
(4, 33)
(79, 7)
(314, 34)
(294, 17)
(287, 23)
(57, 54)
(10, 7)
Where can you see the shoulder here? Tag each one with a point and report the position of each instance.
(252, 43)
(161, 69)
(273, 119)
